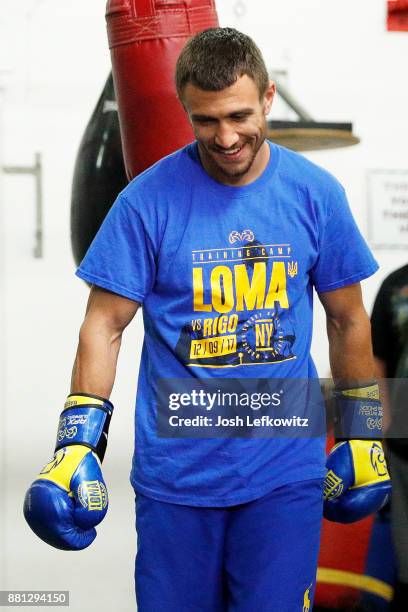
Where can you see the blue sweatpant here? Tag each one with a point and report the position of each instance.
(260, 556)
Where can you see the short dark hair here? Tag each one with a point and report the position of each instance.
(215, 58)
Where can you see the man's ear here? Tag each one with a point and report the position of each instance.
(268, 97)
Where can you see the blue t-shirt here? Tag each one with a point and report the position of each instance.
(193, 250)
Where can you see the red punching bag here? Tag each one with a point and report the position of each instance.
(145, 39)
(397, 19)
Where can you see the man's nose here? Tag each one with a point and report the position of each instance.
(226, 136)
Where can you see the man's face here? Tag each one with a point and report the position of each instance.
(230, 127)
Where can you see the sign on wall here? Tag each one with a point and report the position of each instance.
(397, 18)
(388, 209)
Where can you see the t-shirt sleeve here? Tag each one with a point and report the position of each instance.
(122, 256)
(344, 257)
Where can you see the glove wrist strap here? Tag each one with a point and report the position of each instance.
(85, 420)
(358, 413)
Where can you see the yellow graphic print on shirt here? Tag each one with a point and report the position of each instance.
(241, 302)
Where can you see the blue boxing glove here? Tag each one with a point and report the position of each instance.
(69, 497)
(357, 481)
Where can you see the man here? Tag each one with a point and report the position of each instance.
(222, 243)
(389, 323)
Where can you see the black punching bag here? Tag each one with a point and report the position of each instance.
(99, 172)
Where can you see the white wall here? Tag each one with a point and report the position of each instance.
(343, 66)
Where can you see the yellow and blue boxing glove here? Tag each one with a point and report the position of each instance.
(69, 496)
(357, 481)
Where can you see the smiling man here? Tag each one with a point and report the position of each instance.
(230, 128)
(223, 243)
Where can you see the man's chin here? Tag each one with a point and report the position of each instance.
(231, 171)
(235, 173)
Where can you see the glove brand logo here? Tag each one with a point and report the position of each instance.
(247, 235)
(306, 599)
(374, 415)
(55, 461)
(93, 495)
(73, 419)
(377, 459)
(375, 423)
(67, 432)
(333, 486)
